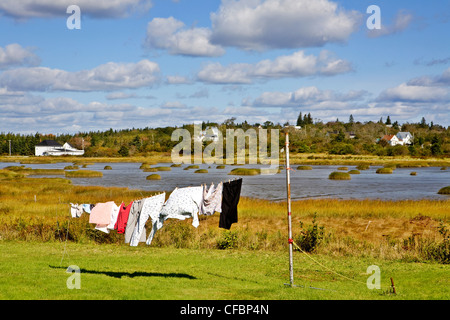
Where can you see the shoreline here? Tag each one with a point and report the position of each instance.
(295, 159)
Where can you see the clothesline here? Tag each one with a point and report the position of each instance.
(187, 202)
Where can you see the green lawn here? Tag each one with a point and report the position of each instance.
(33, 270)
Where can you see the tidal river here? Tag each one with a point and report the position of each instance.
(305, 184)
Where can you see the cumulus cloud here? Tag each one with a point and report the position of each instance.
(178, 80)
(107, 77)
(421, 89)
(14, 55)
(288, 66)
(311, 97)
(24, 9)
(414, 93)
(172, 35)
(401, 21)
(261, 25)
(440, 80)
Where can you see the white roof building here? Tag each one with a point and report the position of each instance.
(405, 138)
(53, 148)
(209, 134)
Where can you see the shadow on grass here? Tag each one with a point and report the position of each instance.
(116, 274)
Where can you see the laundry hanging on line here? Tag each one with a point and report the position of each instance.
(183, 203)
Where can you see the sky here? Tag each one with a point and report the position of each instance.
(157, 63)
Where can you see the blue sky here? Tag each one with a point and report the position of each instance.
(139, 63)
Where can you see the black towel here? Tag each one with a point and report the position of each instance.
(230, 198)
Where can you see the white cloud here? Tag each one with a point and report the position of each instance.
(237, 73)
(106, 77)
(422, 89)
(412, 93)
(173, 105)
(120, 95)
(296, 65)
(178, 80)
(50, 8)
(171, 34)
(401, 21)
(14, 55)
(310, 97)
(260, 25)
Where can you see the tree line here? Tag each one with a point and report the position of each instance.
(334, 137)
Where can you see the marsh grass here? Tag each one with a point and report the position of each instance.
(83, 174)
(201, 171)
(354, 172)
(73, 167)
(339, 176)
(245, 172)
(153, 177)
(304, 168)
(163, 168)
(28, 171)
(37, 209)
(193, 166)
(107, 168)
(385, 170)
(444, 190)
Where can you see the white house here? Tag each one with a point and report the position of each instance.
(209, 134)
(405, 138)
(391, 139)
(401, 138)
(53, 148)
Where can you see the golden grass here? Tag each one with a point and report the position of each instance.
(384, 171)
(444, 190)
(153, 177)
(304, 168)
(83, 174)
(163, 168)
(34, 209)
(295, 158)
(339, 176)
(245, 172)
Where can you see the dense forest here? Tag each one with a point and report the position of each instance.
(306, 136)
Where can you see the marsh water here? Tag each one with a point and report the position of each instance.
(305, 184)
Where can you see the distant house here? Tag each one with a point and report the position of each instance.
(53, 148)
(401, 138)
(405, 138)
(209, 134)
(391, 139)
(351, 135)
(293, 127)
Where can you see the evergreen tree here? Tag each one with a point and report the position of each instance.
(351, 120)
(436, 148)
(300, 120)
(423, 123)
(388, 120)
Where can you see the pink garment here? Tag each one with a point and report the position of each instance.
(101, 213)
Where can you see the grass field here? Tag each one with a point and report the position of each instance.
(407, 240)
(31, 270)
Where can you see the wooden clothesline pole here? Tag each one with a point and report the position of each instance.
(288, 188)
